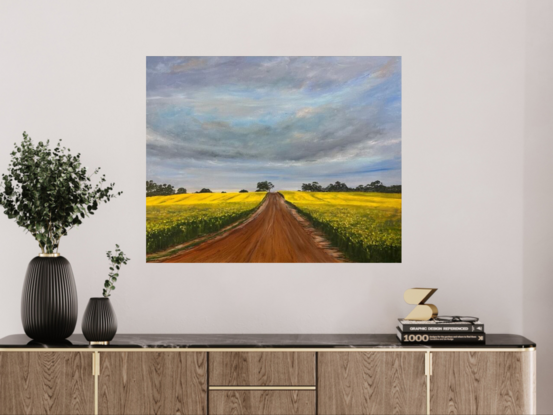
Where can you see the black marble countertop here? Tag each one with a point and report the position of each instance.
(218, 341)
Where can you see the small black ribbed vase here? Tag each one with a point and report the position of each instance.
(49, 306)
(99, 321)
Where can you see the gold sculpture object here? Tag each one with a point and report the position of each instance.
(418, 297)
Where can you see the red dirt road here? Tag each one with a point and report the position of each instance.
(273, 235)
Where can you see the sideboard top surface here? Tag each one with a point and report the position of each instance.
(239, 341)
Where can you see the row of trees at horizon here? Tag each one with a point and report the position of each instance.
(376, 186)
(154, 189)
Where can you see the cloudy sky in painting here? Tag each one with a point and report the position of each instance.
(227, 123)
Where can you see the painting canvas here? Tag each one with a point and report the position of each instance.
(273, 159)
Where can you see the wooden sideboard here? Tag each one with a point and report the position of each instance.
(295, 377)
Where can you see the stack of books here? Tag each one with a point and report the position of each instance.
(433, 331)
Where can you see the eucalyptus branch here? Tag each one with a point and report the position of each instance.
(93, 173)
(116, 261)
(44, 182)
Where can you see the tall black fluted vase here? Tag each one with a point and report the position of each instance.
(99, 321)
(49, 306)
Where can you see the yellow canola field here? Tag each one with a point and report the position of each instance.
(176, 219)
(196, 198)
(366, 227)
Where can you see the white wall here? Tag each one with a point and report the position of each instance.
(76, 71)
(538, 197)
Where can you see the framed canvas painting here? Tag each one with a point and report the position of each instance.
(273, 159)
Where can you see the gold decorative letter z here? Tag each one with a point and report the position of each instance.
(418, 297)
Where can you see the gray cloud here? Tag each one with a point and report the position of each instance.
(326, 134)
(231, 117)
(320, 73)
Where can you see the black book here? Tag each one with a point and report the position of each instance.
(433, 326)
(421, 338)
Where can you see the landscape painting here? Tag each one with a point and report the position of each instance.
(273, 159)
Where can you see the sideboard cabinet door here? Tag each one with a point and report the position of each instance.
(352, 383)
(141, 383)
(475, 382)
(262, 368)
(262, 402)
(46, 383)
